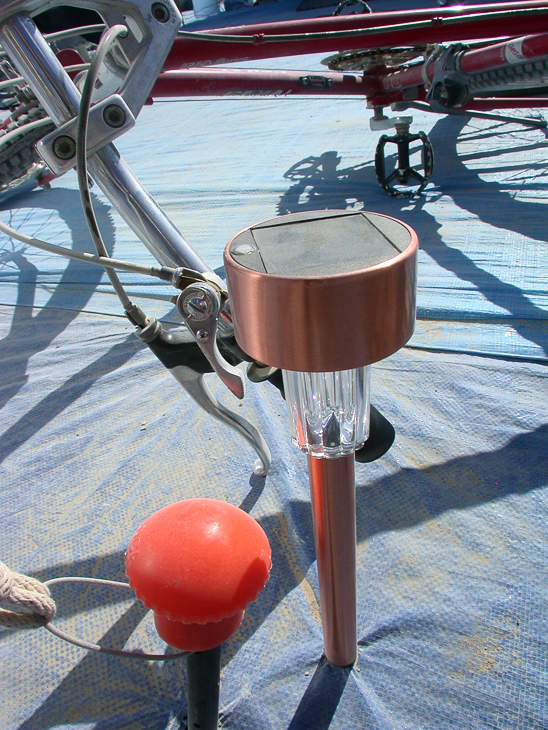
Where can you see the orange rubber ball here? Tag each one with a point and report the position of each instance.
(198, 564)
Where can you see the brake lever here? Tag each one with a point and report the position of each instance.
(200, 305)
(181, 355)
(198, 390)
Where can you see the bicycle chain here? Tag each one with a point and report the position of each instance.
(18, 156)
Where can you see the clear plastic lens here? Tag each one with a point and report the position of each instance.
(328, 412)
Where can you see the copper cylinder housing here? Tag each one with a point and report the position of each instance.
(323, 291)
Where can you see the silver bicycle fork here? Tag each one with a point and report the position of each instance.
(152, 27)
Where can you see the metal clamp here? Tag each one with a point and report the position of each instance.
(200, 306)
(183, 277)
(315, 81)
(449, 87)
(108, 119)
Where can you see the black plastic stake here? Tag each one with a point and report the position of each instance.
(203, 678)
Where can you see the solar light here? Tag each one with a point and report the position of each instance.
(322, 296)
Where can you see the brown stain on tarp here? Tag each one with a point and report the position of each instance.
(282, 535)
(488, 651)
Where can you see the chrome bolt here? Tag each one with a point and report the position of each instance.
(160, 12)
(202, 335)
(64, 147)
(114, 116)
(197, 305)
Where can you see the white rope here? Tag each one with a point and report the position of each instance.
(25, 603)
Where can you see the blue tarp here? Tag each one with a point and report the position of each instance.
(452, 540)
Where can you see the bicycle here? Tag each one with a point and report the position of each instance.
(144, 54)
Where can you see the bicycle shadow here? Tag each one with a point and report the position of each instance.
(32, 333)
(319, 184)
(157, 692)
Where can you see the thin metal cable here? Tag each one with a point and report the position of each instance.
(71, 32)
(96, 647)
(165, 272)
(81, 164)
(23, 109)
(6, 138)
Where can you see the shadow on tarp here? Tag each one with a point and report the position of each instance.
(320, 184)
(321, 699)
(61, 398)
(110, 688)
(116, 693)
(57, 400)
(112, 693)
(30, 333)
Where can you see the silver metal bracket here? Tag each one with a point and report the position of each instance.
(316, 81)
(108, 119)
(200, 306)
(136, 59)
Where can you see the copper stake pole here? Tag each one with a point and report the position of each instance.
(333, 494)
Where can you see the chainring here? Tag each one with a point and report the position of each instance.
(371, 59)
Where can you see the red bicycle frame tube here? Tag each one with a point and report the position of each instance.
(252, 82)
(245, 82)
(382, 87)
(358, 32)
(515, 51)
